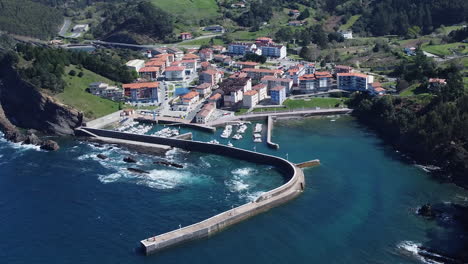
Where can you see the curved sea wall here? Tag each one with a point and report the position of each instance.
(293, 187)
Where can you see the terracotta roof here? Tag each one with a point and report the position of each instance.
(238, 75)
(149, 69)
(323, 75)
(376, 84)
(190, 56)
(210, 72)
(251, 63)
(155, 63)
(215, 97)
(307, 77)
(355, 74)
(261, 70)
(188, 61)
(190, 95)
(272, 78)
(379, 89)
(437, 80)
(175, 68)
(259, 86)
(205, 64)
(186, 33)
(251, 92)
(203, 86)
(277, 88)
(141, 85)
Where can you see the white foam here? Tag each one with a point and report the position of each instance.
(243, 172)
(413, 249)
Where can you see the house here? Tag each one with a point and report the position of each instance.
(297, 23)
(294, 12)
(175, 73)
(246, 64)
(135, 65)
(324, 80)
(178, 54)
(309, 68)
(211, 76)
(264, 41)
(234, 89)
(278, 94)
(376, 88)
(106, 91)
(156, 63)
(216, 99)
(205, 113)
(149, 73)
(261, 89)
(227, 61)
(206, 54)
(215, 28)
(238, 75)
(127, 112)
(219, 58)
(347, 34)
(204, 89)
(295, 72)
(205, 66)
(352, 81)
(250, 99)
(273, 50)
(145, 92)
(258, 74)
(168, 58)
(190, 98)
(241, 48)
(189, 64)
(185, 35)
(80, 28)
(218, 49)
(435, 83)
(272, 81)
(312, 83)
(343, 69)
(191, 56)
(238, 5)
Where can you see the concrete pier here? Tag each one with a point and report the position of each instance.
(293, 187)
(175, 122)
(308, 164)
(269, 129)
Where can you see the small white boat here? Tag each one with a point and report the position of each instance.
(230, 144)
(237, 136)
(227, 132)
(242, 129)
(258, 128)
(214, 141)
(257, 138)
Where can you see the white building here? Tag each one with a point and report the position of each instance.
(175, 73)
(106, 91)
(250, 99)
(240, 49)
(205, 113)
(348, 34)
(261, 89)
(135, 64)
(273, 50)
(80, 28)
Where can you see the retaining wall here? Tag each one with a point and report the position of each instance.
(293, 187)
(104, 121)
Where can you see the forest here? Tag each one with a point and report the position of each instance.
(47, 66)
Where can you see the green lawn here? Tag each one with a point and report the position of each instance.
(413, 90)
(75, 94)
(204, 41)
(350, 22)
(327, 102)
(191, 11)
(446, 49)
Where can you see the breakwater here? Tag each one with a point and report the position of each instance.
(269, 129)
(176, 122)
(294, 186)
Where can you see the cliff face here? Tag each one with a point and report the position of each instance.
(26, 107)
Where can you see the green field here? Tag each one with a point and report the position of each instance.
(350, 22)
(327, 102)
(75, 94)
(189, 11)
(446, 49)
(204, 41)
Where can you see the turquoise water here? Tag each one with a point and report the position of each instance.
(70, 207)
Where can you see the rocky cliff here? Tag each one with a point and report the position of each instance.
(23, 105)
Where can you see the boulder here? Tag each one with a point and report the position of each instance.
(137, 170)
(32, 139)
(50, 145)
(102, 156)
(129, 159)
(426, 211)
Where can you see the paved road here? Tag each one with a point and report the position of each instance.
(64, 29)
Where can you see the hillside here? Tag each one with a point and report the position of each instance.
(25, 17)
(190, 11)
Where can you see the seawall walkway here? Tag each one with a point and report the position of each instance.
(293, 187)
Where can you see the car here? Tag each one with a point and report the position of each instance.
(227, 114)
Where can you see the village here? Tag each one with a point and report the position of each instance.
(210, 83)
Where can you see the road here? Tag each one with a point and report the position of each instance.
(65, 27)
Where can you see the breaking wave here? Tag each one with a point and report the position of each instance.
(242, 183)
(415, 250)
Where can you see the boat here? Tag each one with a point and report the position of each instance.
(242, 129)
(237, 136)
(227, 132)
(257, 138)
(230, 144)
(258, 128)
(214, 141)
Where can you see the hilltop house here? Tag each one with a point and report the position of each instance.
(106, 91)
(186, 35)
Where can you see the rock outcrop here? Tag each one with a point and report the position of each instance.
(130, 159)
(50, 145)
(23, 105)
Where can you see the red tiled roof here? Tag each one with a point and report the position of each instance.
(307, 77)
(215, 97)
(155, 63)
(190, 56)
(277, 88)
(250, 63)
(251, 92)
(203, 86)
(259, 86)
(149, 69)
(437, 80)
(175, 68)
(323, 74)
(141, 85)
(210, 72)
(261, 70)
(355, 74)
(190, 95)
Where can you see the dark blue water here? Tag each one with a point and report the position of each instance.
(70, 207)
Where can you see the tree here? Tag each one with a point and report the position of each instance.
(402, 85)
(80, 74)
(72, 73)
(305, 14)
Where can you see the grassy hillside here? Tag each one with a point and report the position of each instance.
(189, 11)
(446, 49)
(25, 17)
(75, 94)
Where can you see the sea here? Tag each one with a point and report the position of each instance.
(358, 206)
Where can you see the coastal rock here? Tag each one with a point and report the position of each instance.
(137, 170)
(102, 156)
(167, 163)
(426, 211)
(32, 139)
(50, 145)
(129, 159)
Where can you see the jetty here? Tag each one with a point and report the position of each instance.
(294, 185)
